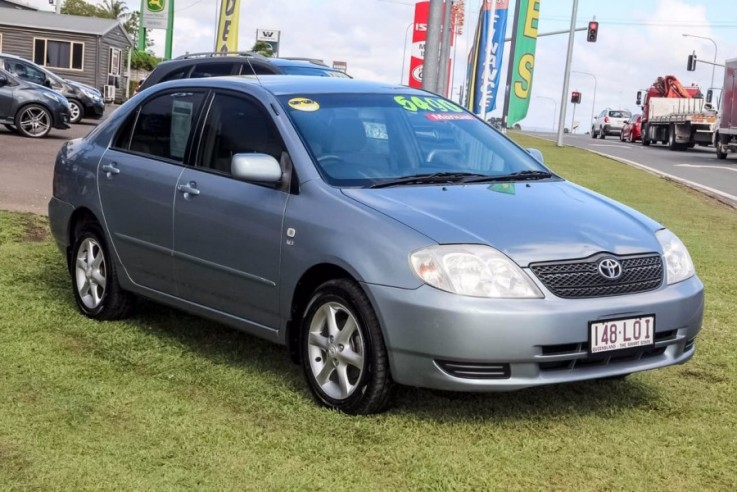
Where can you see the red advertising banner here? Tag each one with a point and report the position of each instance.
(419, 36)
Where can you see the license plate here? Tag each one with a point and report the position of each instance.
(618, 334)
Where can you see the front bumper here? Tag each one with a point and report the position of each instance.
(94, 109)
(61, 119)
(523, 343)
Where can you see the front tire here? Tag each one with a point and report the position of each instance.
(76, 111)
(94, 278)
(33, 121)
(343, 353)
(721, 149)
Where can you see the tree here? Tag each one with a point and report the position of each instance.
(114, 9)
(263, 48)
(79, 7)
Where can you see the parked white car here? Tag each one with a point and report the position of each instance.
(609, 122)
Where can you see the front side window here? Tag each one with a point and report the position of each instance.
(58, 54)
(25, 71)
(237, 125)
(164, 125)
(368, 139)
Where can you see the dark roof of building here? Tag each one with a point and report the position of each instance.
(59, 22)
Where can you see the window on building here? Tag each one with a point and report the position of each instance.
(68, 55)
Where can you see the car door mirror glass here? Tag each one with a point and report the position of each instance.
(261, 168)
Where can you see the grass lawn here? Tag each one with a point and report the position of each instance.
(168, 401)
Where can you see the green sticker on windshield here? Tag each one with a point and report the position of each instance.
(431, 104)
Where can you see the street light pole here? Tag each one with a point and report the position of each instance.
(593, 101)
(567, 75)
(404, 53)
(555, 107)
(711, 86)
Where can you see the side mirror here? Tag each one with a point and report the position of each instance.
(537, 155)
(47, 83)
(261, 168)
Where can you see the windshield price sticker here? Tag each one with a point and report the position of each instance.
(432, 104)
(617, 334)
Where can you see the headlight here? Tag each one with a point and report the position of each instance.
(90, 94)
(472, 270)
(677, 260)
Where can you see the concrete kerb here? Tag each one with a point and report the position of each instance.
(725, 198)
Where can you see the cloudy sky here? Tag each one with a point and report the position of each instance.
(638, 41)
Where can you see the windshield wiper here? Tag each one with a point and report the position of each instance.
(517, 176)
(431, 178)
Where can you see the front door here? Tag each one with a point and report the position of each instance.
(227, 233)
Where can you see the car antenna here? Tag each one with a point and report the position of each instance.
(254, 72)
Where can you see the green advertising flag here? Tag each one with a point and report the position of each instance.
(524, 60)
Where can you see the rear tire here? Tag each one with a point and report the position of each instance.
(95, 279)
(672, 145)
(643, 134)
(593, 133)
(343, 353)
(721, 149)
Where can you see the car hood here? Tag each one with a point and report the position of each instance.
(530, 222)
(81, 85)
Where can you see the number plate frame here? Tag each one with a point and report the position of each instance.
(625, 330)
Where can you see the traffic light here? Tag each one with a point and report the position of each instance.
(691, 66)
(709, 95)
(575, 97)
(592, 32)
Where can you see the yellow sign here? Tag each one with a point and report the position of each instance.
(303, 104)
(227, 39)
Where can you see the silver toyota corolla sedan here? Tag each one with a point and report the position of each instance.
(383, 234)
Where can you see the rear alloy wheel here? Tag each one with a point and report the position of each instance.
(343, 353)
(33, 121)
(631, 137)
(593, 133)
(76, 111)
(94, 278)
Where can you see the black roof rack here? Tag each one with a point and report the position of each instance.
(207, 54)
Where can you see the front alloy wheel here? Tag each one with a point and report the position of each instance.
(33, 121)
(76, 112)
(343, 352)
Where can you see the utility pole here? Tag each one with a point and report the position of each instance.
(567, 76)
(432, 47)
(444, 50)
(169, 31)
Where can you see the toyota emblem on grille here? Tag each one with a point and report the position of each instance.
(610, 269)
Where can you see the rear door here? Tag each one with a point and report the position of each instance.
(137, 178)
(227, 233)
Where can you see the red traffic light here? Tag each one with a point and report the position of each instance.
(592, 32)
(575, 97)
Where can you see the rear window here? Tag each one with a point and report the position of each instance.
(620, 114)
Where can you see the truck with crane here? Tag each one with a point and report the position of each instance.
(676, 115)
(725, 137)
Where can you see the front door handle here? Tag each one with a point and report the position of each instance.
(110, 170)
(189, 189)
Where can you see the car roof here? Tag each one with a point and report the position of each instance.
(295, 84)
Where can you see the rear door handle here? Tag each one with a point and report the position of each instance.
(110, 169)
(189, 189)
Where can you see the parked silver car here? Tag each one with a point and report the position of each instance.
(382, 233)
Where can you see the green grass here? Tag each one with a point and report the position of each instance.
(168, 401)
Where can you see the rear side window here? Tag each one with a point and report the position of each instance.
(211, 70)
(250, 68)
(165, 124)
(180, 73)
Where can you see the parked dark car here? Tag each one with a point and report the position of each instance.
(84, 100)
(199, 65)
(31, 109)
(631, 131)
(383, 233)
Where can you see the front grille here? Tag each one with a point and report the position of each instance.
(475, 370)
(575, 355)
(580, 278)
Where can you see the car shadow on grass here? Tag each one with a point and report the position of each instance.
(224, 345)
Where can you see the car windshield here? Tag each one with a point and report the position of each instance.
(388, 139)
(620, 114)
(314, 71)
